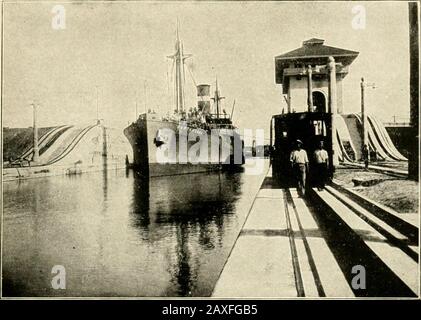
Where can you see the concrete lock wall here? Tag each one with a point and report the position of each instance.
(401, 137)
(99, 148)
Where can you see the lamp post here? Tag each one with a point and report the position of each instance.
(35, 156)
(364, 112)
(97, 106)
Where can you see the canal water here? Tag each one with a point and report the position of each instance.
(117, 234)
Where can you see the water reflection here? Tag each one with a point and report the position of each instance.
(119, 234)
(188, 211)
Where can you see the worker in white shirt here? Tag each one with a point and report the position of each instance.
(299, 164)
(321, 159)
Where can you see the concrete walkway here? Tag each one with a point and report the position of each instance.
(280, 252)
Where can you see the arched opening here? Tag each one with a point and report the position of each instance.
(319, 101)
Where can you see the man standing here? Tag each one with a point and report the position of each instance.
(366, 156)
(321, 159)
(299, 164)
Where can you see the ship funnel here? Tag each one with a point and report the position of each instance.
(203, 98)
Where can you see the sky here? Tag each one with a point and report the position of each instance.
(120, 49)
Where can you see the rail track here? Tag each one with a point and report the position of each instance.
(292, 246)
(364, 233)
(390, 171)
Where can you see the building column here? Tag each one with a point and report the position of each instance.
(35, 156)
(339, 89)
(333, 109)
(309, 89)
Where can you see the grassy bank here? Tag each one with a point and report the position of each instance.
(399, 194)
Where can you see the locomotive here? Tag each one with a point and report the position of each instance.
(286, 129)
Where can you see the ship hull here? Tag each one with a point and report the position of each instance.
(151, 138)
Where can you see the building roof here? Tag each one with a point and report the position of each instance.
(316, 48)
(313, 51)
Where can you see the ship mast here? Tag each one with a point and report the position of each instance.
(217, 98)
(179, 57)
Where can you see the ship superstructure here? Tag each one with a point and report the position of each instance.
(197, 139)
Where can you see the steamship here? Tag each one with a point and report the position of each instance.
(199, 139)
